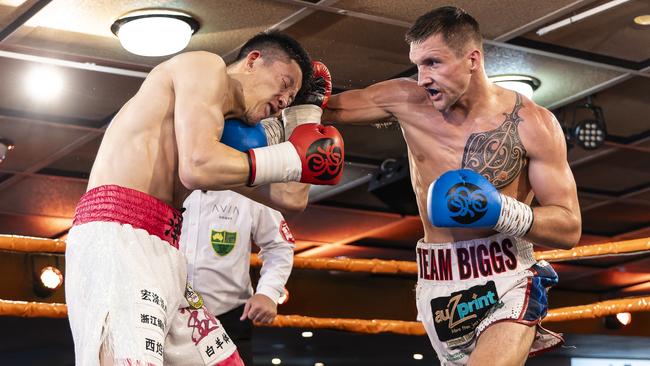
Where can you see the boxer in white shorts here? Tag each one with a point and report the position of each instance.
(452, 117)
(129, 293)
(465, 287)
(125, 280)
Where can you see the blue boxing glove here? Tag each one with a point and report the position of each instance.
(464, 198)
(241, 136)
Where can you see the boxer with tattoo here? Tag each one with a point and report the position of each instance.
(478, 155)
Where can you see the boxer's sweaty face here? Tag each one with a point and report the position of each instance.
(274, 88)
(443, 74)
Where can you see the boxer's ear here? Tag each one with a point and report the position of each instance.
(474, 58)
(252, 58)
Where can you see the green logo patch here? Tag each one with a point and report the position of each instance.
(223, 241)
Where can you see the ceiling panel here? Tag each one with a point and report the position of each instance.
(79, 161)
(626, 106)
(616, 172)
(42, 196)
(34, 141)
(7, 9)
(83, 27)
(615, 218)
(489, 13)
(560, 79)
(91, 96)
(611, 33)
(358, 52)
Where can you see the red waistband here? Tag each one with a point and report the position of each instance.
(111, 203)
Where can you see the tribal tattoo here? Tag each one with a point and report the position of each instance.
(499, 154)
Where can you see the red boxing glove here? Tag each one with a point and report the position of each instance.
(321, 85)
(314, 154)
(321, 151)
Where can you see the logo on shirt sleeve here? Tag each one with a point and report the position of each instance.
(286, 233)
(223, 241)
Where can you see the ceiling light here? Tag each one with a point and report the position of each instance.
(580, 16)
(642, 20)
(417, 356)
(307, 334)
(319, 364)
(155, 32)
(522, 84)
(43, 82)
(5, 146)
(276, 361)
(589, 133)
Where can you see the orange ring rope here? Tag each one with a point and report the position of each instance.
(30, 244)
(589, 311)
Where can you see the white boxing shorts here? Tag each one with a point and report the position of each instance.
(126, 286)
(465, 287)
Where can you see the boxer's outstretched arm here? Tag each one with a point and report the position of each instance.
(200, 86)
(557, 222)
(364, 106)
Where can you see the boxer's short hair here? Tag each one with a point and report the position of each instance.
(274, 45)
(456, 26)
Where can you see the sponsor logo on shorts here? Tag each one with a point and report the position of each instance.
(475, 261)
(457, 316)
(223, 241)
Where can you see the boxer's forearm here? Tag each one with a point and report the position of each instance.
(217, 168)
(288, 198)
(555, 227)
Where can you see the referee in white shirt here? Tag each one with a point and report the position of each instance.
(218, 228)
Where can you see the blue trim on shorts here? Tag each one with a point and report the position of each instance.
(545, 278)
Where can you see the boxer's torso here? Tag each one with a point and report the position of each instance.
(139, 149)
(486, 142)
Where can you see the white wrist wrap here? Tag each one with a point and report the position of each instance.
(300, 114)
(274, 130)
(516, 217)
(276, 163)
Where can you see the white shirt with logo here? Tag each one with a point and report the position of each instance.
(218, 227)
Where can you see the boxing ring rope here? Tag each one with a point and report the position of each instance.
(374, 326)
(627, 247)
(589, 311)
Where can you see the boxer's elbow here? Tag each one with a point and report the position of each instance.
(572, 231)
(190, 175)
(575, 230)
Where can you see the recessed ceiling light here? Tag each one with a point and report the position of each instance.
(523, 84)
(307, 334)
(417, 356)
(319, 364)
(642, 20)
(276, 361)
(155, 32)
(43, 82)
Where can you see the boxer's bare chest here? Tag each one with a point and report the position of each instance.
(490, 146)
